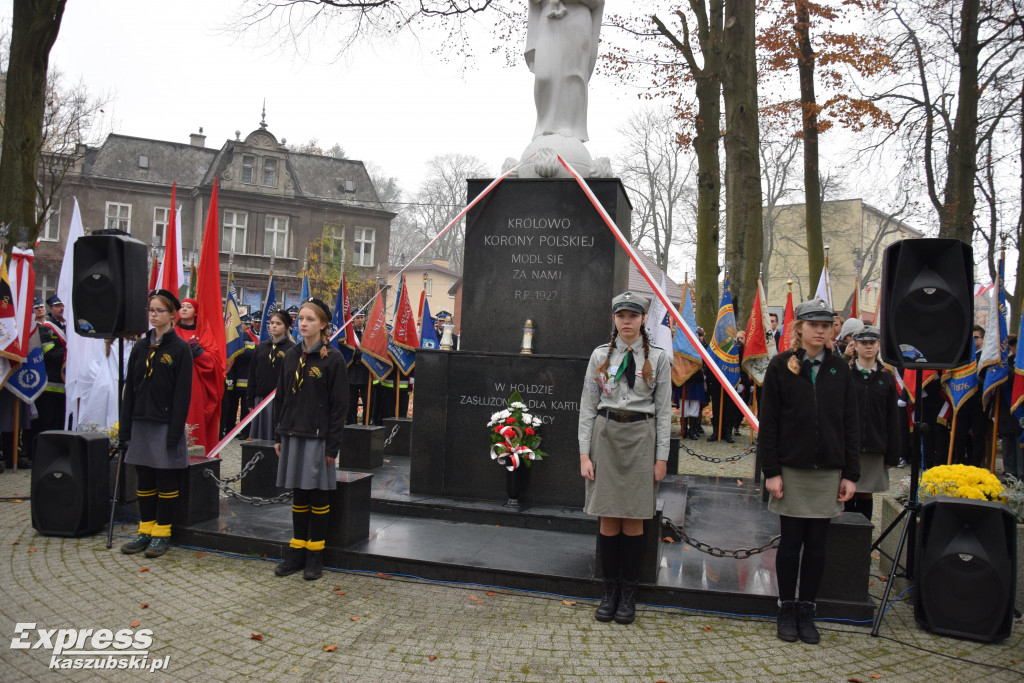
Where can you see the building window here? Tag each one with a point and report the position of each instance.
(233, 239)
(362, 239)
(270, 172)
(248, 164)
(428, 287)
(335, 232)
(275, 239)
(45, 286)
(161, 216)
(50, 231)
(119, 216)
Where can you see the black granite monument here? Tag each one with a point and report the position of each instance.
(535, 250)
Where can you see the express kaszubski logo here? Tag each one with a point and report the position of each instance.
(86, 648)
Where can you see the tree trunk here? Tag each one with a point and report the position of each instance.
(957, 218)
(743, 219)
(1018, 287)
(33, 31)
(809, 108)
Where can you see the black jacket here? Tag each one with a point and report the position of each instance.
(319, 407)
(877, 394)
(54, 348)
(809, 425)
(265, 369)
(165, 395)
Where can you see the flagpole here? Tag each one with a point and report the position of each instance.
(952, 438)
(366, 407)
(995, 431)
(721, 399)
(398, 387)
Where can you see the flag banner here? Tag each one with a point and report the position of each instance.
(723, 341)
(909, 382)
(959, 384)
(375, 342)
(28, 381)
(8, 316)
(154, 276)
(210, 331)
(1017, 391)
(428, 335)
(686, 358)
(403, 341)
(268, 309)
(788, 320)
(343, 332)
(996, 350)
(658, 327)
(303, 295)
(760, 346)
(234, 334)
(824, 290)
(172, 273)
(945, 413)
(855, 306)
(23, 284)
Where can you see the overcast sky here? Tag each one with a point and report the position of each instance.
(171, 68)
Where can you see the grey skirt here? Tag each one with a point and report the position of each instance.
(303, 464)
(148, 447)
(874, 478)
(262, 426)
(808, 493)
(623, 458)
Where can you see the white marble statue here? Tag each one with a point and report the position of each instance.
(561, 51)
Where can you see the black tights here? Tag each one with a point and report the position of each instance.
(158, 494)
(310, 515)
(797, 533)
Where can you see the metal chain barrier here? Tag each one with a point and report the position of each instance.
(225, 486)
(715, 551)
(708, 458)
(394, 430)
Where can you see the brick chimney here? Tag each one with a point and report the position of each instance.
(197, 139)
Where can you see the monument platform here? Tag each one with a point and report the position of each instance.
(551, 549)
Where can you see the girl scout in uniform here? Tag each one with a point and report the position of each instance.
(877, 398)
(311, 400)
(625, 419)
(266, 369)
(807, 444)
(157, 392)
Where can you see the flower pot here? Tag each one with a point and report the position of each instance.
(515, 485)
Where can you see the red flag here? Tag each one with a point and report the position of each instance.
(210, 318)
(910, 381)
(171, 270)
(404, 332)
(8, 317)
(756, 351)
(153, 274)
(375, 342)
(23, 284)
(350, 339)
(855, 307)
(786, 340)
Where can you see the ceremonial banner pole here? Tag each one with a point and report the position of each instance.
(366, 408)
(952, 438)
(398, 388)
(995, 434)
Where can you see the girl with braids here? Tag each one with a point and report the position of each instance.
(877, 397)
(152, 422)
(312, 401)
(625, 419)
(268, 358)
(808, 445)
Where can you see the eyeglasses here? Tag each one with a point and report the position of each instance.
(158, 310)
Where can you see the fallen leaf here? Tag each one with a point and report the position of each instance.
(505, 592)
(366, 597)
(144, 605)
(341, 592)
(135, 623)
(874, 556)
(473, 598)
(336, 588)
(383, 576)
(331, 648)
(1014, 661)
(686, 547)
(431, 658)
(14, 542)
(256, 636)
(570, 603)
(199, 554)
(491, 594)
(143, 569)
(355, 618)
(31, 550)
(871, 583)
(669, 539)
(707, 628)
(854, 680)
(660, 681)
(883, 578)
(876, 675)
(16, 500)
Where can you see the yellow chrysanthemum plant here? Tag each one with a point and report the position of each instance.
(961, 481)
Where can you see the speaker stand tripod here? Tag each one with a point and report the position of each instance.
(908, 515)
(120, 446)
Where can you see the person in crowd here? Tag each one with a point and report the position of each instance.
(837, 328)
(973, 432)
(358, 374)
(206, 388)
(1009, 426)
(774, 318)
(808, 448)
(312, 400)
(39, 311)
(624, 431)
(880, 442)
(694, 400)
(744, 387)
(54, 341)
(235, 403)
(154, 408)
(843, 346)
(265, 371)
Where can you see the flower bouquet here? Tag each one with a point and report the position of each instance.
(513, 432)
(961, 481)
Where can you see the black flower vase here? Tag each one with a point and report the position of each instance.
(515, 483)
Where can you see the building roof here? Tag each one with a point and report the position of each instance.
(118, 158)
(638, 284)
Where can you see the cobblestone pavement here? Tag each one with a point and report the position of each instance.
(204, 608)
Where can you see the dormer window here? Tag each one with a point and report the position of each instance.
(270, 172)
(248, 164)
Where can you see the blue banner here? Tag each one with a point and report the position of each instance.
(267, 310)
(428, 335)
(723, 341)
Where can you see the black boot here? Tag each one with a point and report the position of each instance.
(314, 565)
(625, 613)
(805, 623)
(609, 601)
(786, 624)
(294, 560)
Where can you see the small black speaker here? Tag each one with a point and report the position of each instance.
(927, 303)
(70, 483)
(966, 568)
(110, 282)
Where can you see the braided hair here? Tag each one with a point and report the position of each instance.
(647, 373)
(325, 334)
(793, 364)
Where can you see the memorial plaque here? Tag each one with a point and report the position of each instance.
(537, 249)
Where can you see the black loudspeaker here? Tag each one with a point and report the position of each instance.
(966, 568)
(110, 285)
(70, 483)
(927, 303)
